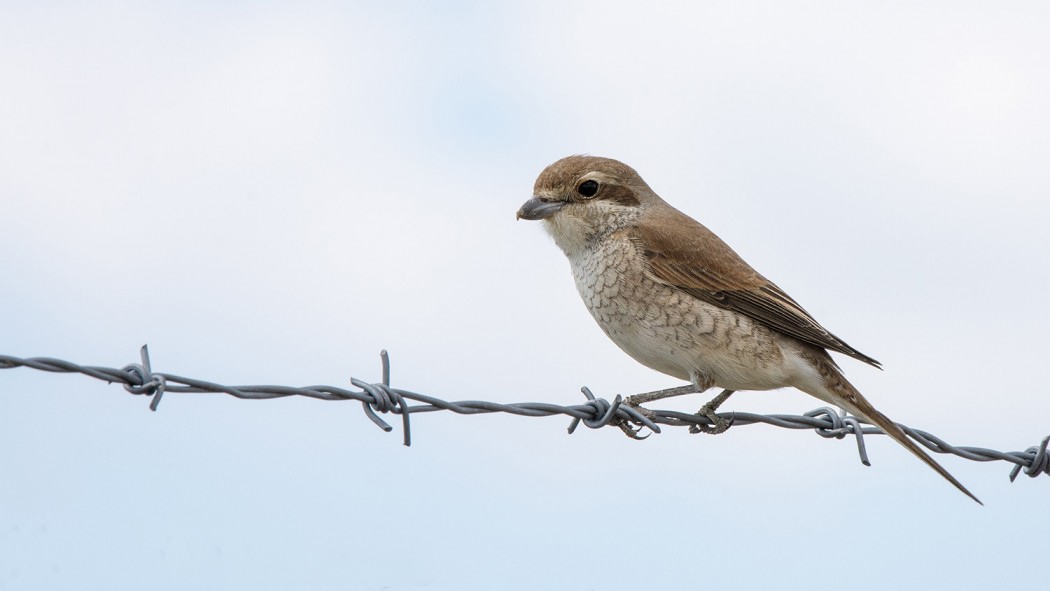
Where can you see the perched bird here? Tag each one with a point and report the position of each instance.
(678, 299)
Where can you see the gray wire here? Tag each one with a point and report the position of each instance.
(595, 413)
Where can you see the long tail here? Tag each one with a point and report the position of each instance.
(845, 395)
(864, 409)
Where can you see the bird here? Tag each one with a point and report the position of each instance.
(676, 298)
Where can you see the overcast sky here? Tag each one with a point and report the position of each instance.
(271, 193)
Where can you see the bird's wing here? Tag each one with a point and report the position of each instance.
(683, 253)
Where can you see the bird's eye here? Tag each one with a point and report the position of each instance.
(588, 188)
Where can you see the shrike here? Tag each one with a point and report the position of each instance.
(677, 299)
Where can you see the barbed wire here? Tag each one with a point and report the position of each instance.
(595, 413)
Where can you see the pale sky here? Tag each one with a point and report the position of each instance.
(270, 193)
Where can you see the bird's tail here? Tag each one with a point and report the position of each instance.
(848, 397)
(864, 409)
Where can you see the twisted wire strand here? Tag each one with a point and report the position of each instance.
(595, 413)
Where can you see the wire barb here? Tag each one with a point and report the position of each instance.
(605, 414)
(384, 399)
(595, 413)
(1039, 464)
(842, 425)
(143, 381)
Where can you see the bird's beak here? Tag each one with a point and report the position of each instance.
(537, 209)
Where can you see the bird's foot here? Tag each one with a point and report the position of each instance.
(719, 424)
(631, 431)
(628, 428)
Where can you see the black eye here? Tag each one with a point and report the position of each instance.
(588, 188)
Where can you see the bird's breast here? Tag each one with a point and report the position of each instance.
(668, 330)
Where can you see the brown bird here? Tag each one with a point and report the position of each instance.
(677, 299)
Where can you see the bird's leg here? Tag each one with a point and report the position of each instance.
(639, 399)
(700, 384)
(708, 410)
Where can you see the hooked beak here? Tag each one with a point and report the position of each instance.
(537, 209)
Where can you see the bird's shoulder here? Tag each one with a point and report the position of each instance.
(683, 251)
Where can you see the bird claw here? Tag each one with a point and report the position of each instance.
(632, 431)
(720, 424)
(628, 428)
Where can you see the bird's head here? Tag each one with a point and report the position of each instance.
(583, 198)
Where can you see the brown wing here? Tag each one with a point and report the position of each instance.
(683, 253)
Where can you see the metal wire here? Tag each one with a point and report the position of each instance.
(595, 413)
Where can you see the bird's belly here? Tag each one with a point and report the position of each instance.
(672, 332)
